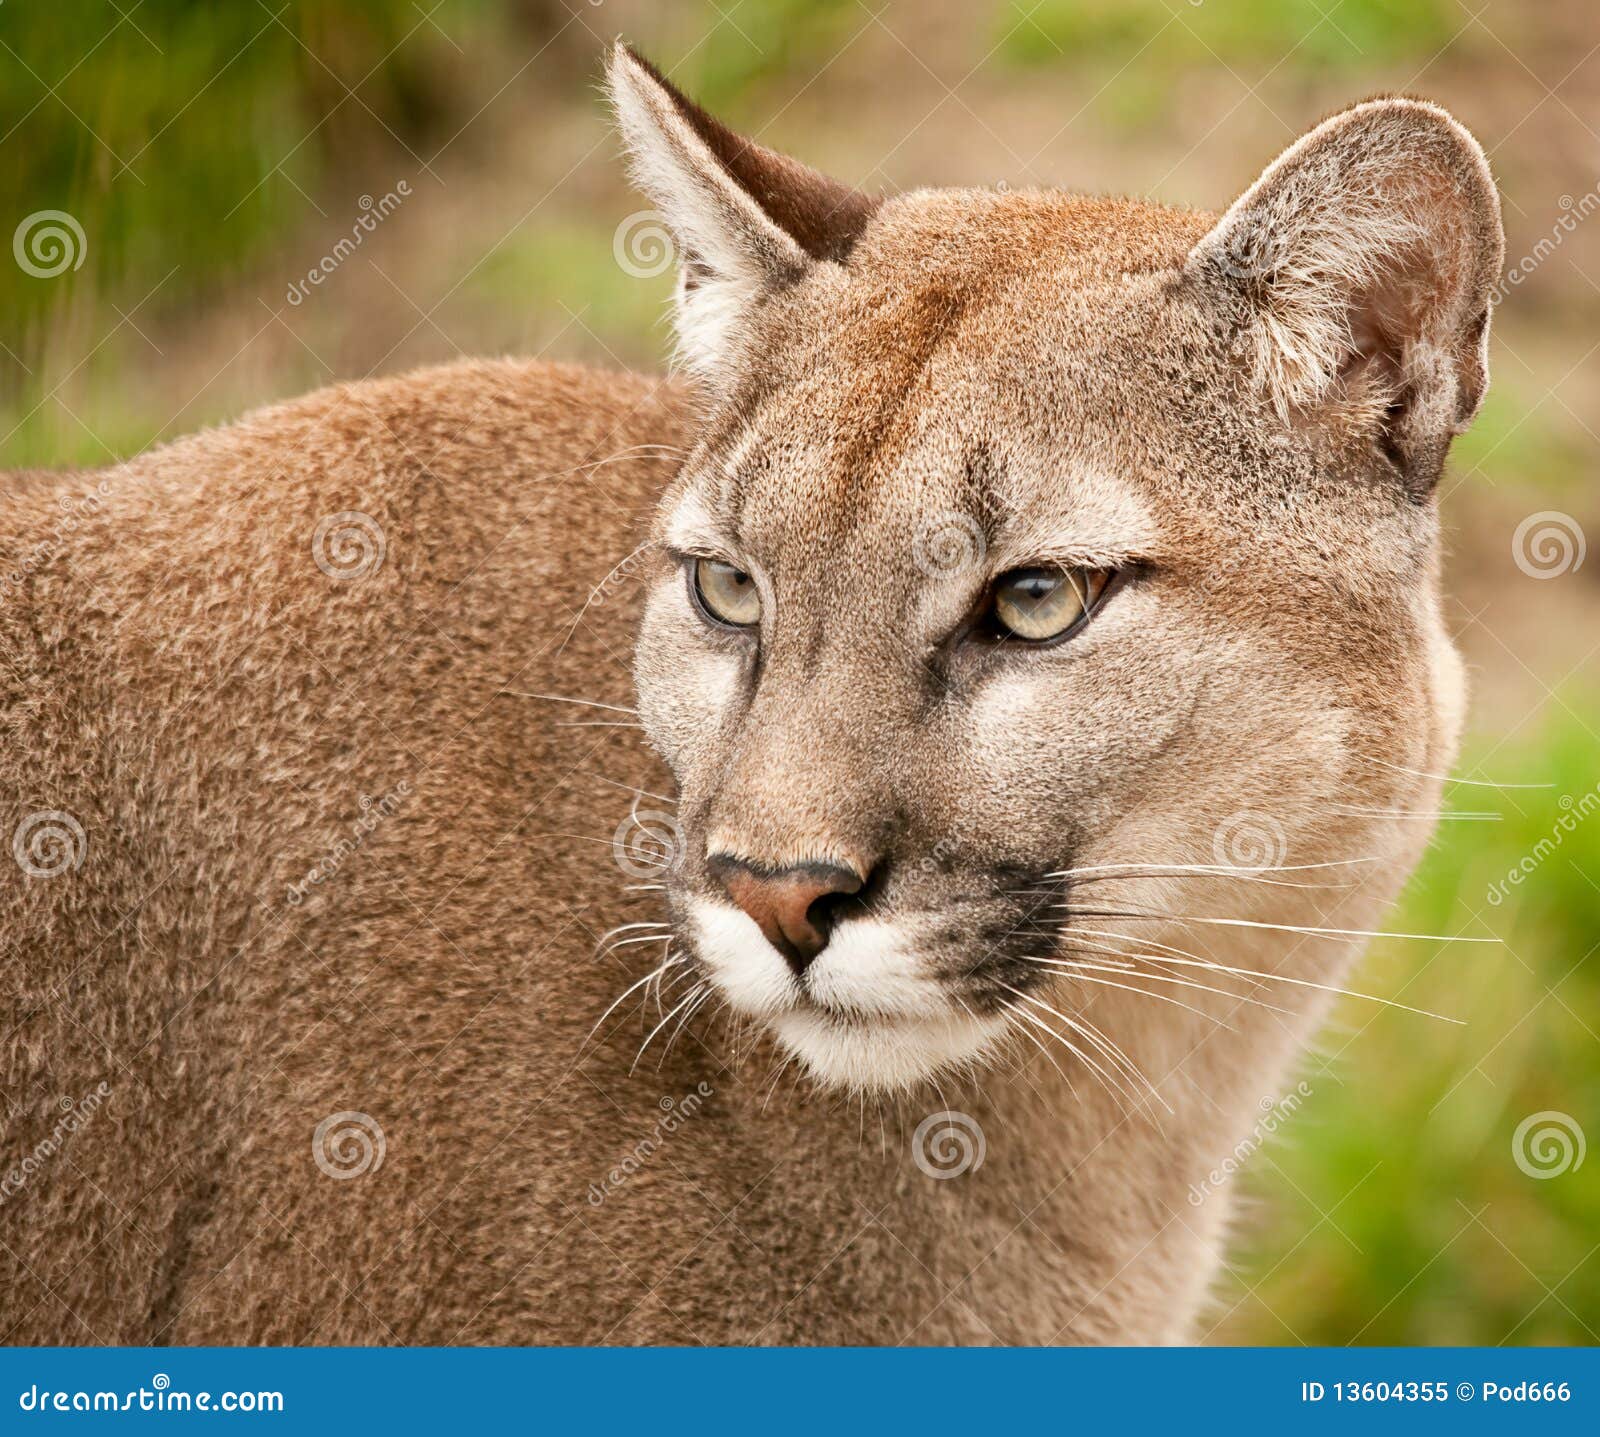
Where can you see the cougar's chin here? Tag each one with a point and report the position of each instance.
(883, 1055)
(863, 1015)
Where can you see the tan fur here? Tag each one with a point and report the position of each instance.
(179, 675)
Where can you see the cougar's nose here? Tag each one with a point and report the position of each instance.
(794, 907)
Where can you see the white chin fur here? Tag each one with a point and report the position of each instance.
(881, 1025)
(750, 972)
(882, 1057)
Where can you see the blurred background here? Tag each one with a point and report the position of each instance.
(214, 206)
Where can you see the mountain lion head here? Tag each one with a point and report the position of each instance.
(1051, 591)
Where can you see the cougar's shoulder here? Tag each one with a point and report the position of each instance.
(471, 446)
(162, 610)
(273, 816)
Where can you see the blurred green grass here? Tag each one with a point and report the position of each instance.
(1135, 50)
(1514, 440)
(1394, 1211)
(253, 103)
(1313, 34)
(210, 157)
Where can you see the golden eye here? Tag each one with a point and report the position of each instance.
(1041, 604)
(726, 595)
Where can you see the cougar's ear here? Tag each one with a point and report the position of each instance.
(745, 219)
(1364, 262)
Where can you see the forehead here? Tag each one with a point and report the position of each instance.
(952, 494)
(948, 283)
(949, 374)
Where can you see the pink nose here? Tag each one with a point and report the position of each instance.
(794, 907)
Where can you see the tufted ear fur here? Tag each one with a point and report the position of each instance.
(745, 218)
(1366, 256)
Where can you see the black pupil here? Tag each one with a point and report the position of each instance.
(1033, 586)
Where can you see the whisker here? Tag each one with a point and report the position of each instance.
(625, 928)
(1221, 868)
(1196, 871)
(1116, 1089)
(1083, 973)
(563, 699)
(1129, 959)
(1072, 930)
(595, 593)
(1082, 877)
(777, 1073)
(1097, 1035)
(1015, 1024)
(643, 859)
(659, 990)
(1431, 815)
(595, 723)
(1180, 982)
(1311, 930)
(1095, 1038)
(705, 997)
(634, 942)
(1447, 778)
(693, 994)
(670, 961)
(629, 788)
(1189, 960)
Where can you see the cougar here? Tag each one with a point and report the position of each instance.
(841, 845)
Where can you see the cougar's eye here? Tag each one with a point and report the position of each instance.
(1042, 604)
(724, 594)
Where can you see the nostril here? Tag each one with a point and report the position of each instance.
(822, 913)
(814, 899)
(795, 907)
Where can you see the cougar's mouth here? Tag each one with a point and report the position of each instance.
(864, 1013)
